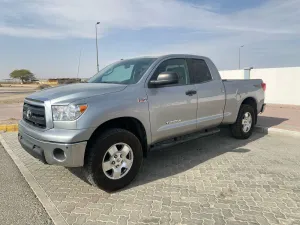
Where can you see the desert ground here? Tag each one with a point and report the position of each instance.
(11, 101)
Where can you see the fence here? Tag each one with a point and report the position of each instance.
(283, 84)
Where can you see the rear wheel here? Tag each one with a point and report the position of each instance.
(243, 127)
(113, 160)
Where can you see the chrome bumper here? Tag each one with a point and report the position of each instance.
(64, 154)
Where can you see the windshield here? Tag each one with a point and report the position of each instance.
(124, 72)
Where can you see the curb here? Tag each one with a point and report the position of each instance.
(49, 206)
(270, 130)
(9, 127)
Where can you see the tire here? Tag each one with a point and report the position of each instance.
(237, 130)
(97, 152)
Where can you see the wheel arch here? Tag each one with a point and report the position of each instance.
(253, 103)
(131, 124)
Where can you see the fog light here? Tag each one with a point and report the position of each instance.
(59, 154)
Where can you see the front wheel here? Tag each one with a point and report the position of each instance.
(243, 127)
(113, 160)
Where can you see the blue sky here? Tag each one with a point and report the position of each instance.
(46, 36)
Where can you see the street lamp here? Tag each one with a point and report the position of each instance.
(240, 56)
(97, 45)
(79, 58)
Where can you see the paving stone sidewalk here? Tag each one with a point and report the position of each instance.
(285, 117)
(214, 180)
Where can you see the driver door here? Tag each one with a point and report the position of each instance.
(173, 108)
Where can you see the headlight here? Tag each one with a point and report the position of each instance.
(67, 112)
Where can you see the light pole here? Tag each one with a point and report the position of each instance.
(79, 63)
(240, 56)
(97, 45)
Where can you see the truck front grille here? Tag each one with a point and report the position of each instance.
(34, 115)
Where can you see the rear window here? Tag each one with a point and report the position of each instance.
(199, 71)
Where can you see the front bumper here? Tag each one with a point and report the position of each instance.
(64, 154)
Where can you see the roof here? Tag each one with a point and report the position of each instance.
(167, 56)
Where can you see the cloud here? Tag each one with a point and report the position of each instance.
(76, 18)
(30, 32)
(270, 31)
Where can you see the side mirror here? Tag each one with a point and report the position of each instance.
(165, 78)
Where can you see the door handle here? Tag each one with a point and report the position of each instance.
(191, 92)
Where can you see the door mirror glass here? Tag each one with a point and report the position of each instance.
(165, 78)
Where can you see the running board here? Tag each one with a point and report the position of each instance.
(182, 139)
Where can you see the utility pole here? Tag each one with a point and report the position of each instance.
(79, 63)
(97, 45)
(240, 56)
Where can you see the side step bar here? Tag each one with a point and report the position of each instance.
(182, 139)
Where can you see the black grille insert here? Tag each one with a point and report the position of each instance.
(34, 115)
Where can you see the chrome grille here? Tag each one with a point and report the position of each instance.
(34, 115)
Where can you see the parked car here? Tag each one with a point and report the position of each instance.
(109, 124)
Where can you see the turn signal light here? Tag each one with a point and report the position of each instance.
(82, 108)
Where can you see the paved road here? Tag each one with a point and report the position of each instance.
(215, 180)
(16, 89)
(18, 204)
(9, 91)
(14, 92)
(11, 111)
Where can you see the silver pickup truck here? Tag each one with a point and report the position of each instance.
(109, 124)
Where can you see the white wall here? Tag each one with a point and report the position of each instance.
(283, 84)
(232, 74)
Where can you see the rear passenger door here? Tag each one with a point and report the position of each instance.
(211, 96)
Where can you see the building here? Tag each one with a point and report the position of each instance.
(57, 81)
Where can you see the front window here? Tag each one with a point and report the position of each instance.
(124, 72)
(176, 65)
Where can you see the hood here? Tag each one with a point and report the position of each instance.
(71, 92)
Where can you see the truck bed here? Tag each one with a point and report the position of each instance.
(236, 92)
